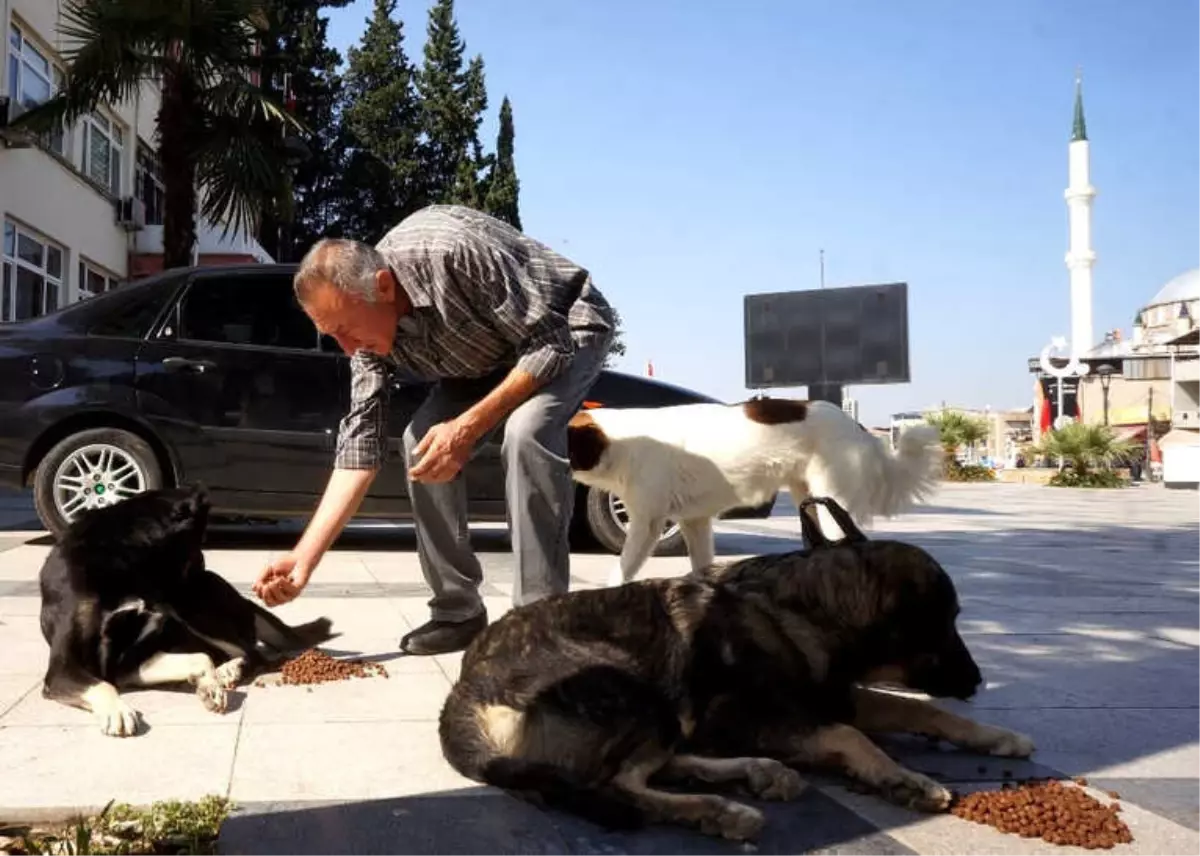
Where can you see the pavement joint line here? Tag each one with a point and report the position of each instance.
(237, 745)
(4, 711)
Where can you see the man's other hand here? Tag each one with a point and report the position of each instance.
(442, 452)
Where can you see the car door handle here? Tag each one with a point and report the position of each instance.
(174, 364)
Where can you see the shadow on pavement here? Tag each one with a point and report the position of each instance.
(1077, 635)
(485, 821)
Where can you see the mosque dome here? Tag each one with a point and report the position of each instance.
(1183, 288)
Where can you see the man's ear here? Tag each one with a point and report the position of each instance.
(385, 286)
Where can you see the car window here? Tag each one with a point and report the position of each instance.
(126, 312)
(246, 310)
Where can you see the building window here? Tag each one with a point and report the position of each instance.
(32, 79)
(1153, 368)
(103, 142)
(150, 187)
(94, 280)
(32, 280)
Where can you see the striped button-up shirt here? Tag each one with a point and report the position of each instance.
(485, 297)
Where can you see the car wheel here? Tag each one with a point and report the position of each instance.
(92, 469)
(607, 521)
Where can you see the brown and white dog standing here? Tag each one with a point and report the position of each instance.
(693, 462)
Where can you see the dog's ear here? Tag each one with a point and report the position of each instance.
(842, 518)
(810, 524)
(190, 511)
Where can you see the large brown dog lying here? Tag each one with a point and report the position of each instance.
(731, 675)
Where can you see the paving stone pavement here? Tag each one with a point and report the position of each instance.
(1080, 606)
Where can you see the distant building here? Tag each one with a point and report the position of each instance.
(1007, 431)
(81, 209)
(850, 407)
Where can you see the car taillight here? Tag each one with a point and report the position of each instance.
(591, 405)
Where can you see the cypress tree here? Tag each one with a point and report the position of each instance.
(452, 104)
(503, 187)
(381, 125)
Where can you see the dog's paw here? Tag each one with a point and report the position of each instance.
(1008, 744)
(918, 792)
(734, 821)
(120, 720)
(212, 695)
(229, 673)
(770, 780)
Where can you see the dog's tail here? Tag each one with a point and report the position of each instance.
(557, 788)
(283, 637)
(855, 468)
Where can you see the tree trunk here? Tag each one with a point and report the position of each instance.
(175, 120)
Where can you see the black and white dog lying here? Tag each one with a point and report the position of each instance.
(128, 602)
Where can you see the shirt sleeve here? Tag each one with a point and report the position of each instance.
(519, 294)
(362, 434)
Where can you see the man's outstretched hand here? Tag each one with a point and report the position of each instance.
(282, 580)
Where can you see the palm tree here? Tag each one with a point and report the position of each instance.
(211, 119)
(1082, 447)
(956, 430)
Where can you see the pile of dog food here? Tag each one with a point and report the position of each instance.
(317, 667)
(1050, 810)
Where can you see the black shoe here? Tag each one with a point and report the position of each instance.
(443, 637)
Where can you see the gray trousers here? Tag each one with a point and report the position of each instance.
(538, 487)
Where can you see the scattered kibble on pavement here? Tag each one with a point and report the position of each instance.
(1050, 810)
(317, 667)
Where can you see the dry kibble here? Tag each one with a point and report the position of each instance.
(317, 667)
(1049, 810)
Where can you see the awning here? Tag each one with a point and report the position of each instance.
(1132, 433)
(1136, 414)
(1180, 437)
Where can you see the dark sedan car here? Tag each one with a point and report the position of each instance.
(215, 375)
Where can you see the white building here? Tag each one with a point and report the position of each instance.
(81, 210)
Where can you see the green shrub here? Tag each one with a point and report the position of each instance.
(968, 472)
(1071, 477)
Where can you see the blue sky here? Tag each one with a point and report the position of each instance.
(689, 153)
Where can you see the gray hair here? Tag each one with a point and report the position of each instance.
(349, 266)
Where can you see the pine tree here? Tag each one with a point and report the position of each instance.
(299, 67)
(616, 348)
(381, 120)
(452, 104)
(503, 187)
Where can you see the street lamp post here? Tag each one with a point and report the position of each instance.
(1105, 372)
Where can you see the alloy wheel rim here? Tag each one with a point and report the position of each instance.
(616, 507)
(95, 476)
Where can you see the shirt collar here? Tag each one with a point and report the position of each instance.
(418, 296)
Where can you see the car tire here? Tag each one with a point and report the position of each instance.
(123, 453)
(604, 524)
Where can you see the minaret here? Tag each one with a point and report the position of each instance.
(1080, 258)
